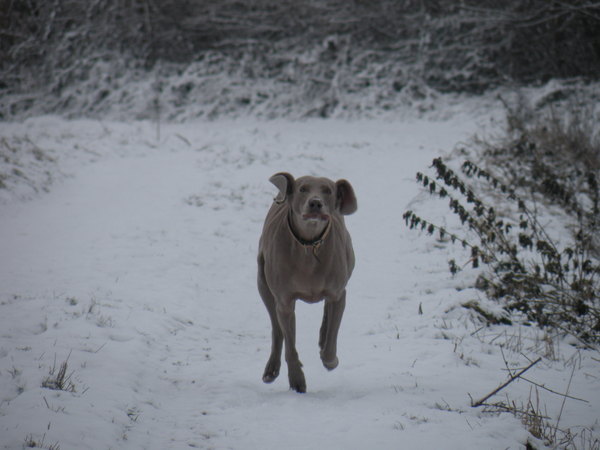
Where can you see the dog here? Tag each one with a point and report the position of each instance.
(305, 253)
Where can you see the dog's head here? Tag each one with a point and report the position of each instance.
(313, 200)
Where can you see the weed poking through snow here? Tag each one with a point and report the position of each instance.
(59, 380)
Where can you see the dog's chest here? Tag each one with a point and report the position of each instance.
(311, 275)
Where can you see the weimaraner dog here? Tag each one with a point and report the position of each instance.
(305, 252)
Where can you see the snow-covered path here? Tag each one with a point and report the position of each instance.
(139, 271)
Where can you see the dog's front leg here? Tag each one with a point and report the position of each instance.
(287, 321)
(332, 318)
(273, 365)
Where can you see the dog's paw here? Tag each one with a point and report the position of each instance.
(269, 378)
(271, 371)
(330, 365)
(299, 387)
(270, 375)
(297, 380)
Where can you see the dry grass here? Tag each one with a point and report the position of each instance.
(58, 380)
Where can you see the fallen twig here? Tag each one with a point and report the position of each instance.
(565, 397)
(501, 407)
(553, 391)
(503, 385)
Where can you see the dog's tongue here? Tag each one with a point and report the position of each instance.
(316, 216)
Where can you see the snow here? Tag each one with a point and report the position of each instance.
(137, 267)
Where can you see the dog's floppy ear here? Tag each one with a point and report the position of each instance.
(346, 200)
(285, 183)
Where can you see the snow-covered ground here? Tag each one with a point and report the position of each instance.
(137, 268)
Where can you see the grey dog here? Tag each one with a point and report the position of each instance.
(305, 253)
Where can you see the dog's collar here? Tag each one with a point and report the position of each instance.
(315, 244)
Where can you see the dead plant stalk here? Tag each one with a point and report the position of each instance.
(503, 385)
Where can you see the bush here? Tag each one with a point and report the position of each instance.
(557, 286)
(334, 46)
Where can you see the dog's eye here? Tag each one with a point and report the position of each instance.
(326, 191)
(303, 189)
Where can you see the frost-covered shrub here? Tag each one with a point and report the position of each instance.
(325, 53)
(553, 280)
(523, 266)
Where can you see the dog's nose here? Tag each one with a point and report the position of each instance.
(315, 204)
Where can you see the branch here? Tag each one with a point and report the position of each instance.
(503, 385)
(553, 391)
(501, 407)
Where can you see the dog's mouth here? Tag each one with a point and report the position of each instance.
(316, 217)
